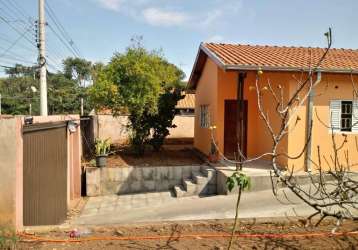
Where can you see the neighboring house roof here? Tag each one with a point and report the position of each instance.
(187, 103)
(273, 58)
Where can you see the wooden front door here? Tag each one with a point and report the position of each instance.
(230, 124)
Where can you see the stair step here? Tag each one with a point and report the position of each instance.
(199, 178)
(210, 173)
(179, 191)
(189, 186)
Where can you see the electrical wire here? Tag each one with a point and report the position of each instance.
(19, 9)
(16, 20)
(62, 40)
(15, 29)
(4, 38)
(12, 45)
(61, 29)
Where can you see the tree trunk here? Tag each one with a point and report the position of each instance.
(236, 218)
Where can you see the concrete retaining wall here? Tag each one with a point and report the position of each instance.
(104, 181)
(258, 182)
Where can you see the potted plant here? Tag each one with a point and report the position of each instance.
(102, 150)
(214, 153)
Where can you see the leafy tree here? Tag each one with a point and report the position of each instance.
(163, 119)
(133, 82)
(64, 92)
(17, 91)
(78, 69)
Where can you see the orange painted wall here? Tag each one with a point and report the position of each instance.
(207, 89)
(259, 140)
(216, 85)
(332, 87)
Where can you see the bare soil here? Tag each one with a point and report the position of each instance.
(223, 227)
(170, 155)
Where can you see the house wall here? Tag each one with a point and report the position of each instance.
(332, 87)
(206, 94)
(259, 139)
(216, 85)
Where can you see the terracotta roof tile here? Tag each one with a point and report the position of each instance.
(187, 103)
(283, 57)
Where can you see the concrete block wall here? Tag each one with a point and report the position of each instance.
(105, 181)
(108, 126)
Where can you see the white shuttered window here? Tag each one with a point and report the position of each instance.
(344, 116)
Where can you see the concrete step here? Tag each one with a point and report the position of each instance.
(202, 182)
(189, 186)
(210, 173)
(179, 191)
(199, 178)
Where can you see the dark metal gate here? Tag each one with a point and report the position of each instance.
(45, 173)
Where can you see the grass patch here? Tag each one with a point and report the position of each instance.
(8, 239)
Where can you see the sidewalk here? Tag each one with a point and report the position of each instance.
(154, 207)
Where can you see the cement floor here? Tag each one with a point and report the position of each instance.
(153, 207)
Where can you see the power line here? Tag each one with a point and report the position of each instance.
(22, 46)
(14, 43)
(19, 21)
(63, 41)
(15, 29)
(19, 8)
(16, 59)
(62, 30)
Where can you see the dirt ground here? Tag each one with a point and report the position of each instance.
(170, 155)
(197, 240)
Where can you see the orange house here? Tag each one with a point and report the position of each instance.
(222, 72)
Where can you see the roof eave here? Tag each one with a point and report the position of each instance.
(288, 69)
(193, 82)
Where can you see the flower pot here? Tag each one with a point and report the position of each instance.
(101, 161)
(214, 158)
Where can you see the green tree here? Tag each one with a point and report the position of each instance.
(78, 69)
(64, 93)
(163, 119)
(17, 90)
(133, 82)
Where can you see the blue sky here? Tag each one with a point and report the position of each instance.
(101, 27)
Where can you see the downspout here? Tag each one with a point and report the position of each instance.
(239, 118)
(309, 123)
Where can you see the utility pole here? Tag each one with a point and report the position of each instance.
(0, 104)
(42, 59)
(82, 107)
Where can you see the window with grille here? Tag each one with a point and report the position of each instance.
(344, 116)
(204, 116)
